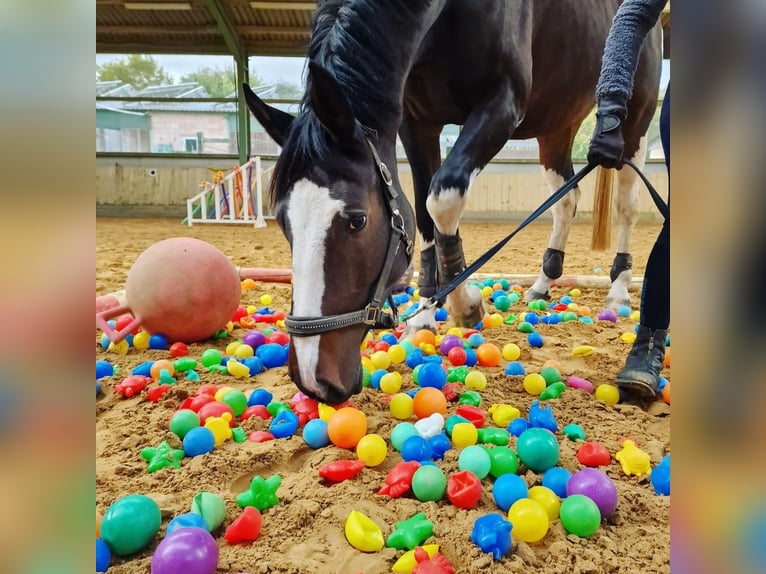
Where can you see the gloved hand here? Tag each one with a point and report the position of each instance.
(607, 146)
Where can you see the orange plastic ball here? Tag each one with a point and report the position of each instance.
(667, 358)
(427, 401)
(666, 393)
(159, 365)
(488, 355)
(553, 363)
(584, 311)
(346, 427)
(423, 336)
(248, 284)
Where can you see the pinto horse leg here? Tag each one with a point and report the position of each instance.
(421, 143)
(555, 159)
(484, 133)
(626, 210)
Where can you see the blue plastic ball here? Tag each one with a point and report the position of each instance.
(518, 426)
(98, 388)
(432, 375)
(556, 479)
(586, 320)
(623, 311)
(104, 342)
(187, 520)
(158, 341)
(255, 364)
(566, 300)
(439, 444)
(389, 338)
(416, 448)
(199, 440)
(531, 318)
(475, 340)
(144, 369)
(535, 340)
(401, 433)
(554, 319)
(441, 314)
(259, 397)
(103, 556)
(661, 383)
(315, 433)
(508, 489)
(514, 368)
(497, 293)
(104, 369)
(375, 378)
(272, 355)
(129, 339)
(414, 358)
(470, 358)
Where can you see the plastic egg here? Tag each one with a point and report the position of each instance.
(628, 337)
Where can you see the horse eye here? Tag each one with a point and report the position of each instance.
(357, 222)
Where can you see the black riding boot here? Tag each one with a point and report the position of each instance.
(640, 375)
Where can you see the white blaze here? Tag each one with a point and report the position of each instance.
(310, 211)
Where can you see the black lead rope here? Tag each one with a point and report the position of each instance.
(547, 204)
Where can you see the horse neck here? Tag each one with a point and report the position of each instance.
(370, 48)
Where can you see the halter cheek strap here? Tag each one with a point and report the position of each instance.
(372, 315)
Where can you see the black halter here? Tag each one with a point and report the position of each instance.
(372, 315)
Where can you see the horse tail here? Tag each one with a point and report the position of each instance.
(602, 210)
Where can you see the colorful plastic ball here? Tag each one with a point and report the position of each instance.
(503, 461)
(104, 369)
(315, 433)
(475, 340)
(547, 499)
(550, 374)
(380, 360)
(259, 397)
(666, 393)
(608, 394)
(390, 383)
(534, 383)
(429, 400)
(401, 406)
(476, 459)
(198, 441)
(464, 434)
(396, 354)
(464, 489)
(476, 380)
(470, 358)
(457, 356)
(423, 336)
(376, 377)
(597, 486)
(213, 409)
(529, 519)
(416, 448)
(607, 315)
(556, 479)
(579, 515)
(441, 314)
(538, 449)
(186, 520)
(449, 342)
(502, 302)
(401, 433)
(511, 351)
(432, 374)
(183, 421)
(130, 524)
(488, 355)
(514, 368)
(429, 483)
(237, 400)
(211, 357)
(346, 427)
(141, 340)
(414, 358)
(272, 355)
(372, 449)
(103, 556)
(535, 340)
(254, 339)
(508, 489)
(187, 550)
(439, 444)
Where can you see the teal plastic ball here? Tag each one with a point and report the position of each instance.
(580, 515)
(538, 449)
(130, 524)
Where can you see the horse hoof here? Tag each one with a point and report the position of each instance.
(532, 295)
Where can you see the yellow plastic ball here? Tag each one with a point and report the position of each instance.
(534, 383)
(252, 309)
(495, 320)
(486, 291)
(464, 434)
(380, 360)
(455, 331)
(608, 393)
(230, 326)
(529, 519)
(401, 406)
(476, 380)
(546, 498)
(141, 340)
(371, 449)
(367, 364)
(397, 354)
(416, 295)
(635, 316)
(231, 348)
(575, 292)
(221, 392)
(120, 348)
(244, 351)
(266, 299)
(325, 411)
(628, 337)
(574, 307)
(511, 352)
(390, 383)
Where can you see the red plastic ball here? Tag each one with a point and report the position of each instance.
(241, 311)
(259, 411)
(278, 337)
(123, 322)
(214, 409)
(457, 356)
(178, 349)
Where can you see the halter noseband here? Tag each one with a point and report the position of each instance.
(372, 315)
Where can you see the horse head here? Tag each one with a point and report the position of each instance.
(349, 229)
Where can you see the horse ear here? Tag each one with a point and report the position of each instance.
(275, 122)
(330, 104)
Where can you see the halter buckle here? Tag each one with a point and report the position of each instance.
(397, 224)
(385, 174)
(372, 313)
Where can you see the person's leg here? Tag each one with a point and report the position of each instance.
(640, 375)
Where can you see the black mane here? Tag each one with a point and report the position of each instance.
(362, 43)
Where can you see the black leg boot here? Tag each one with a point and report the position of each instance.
(640, 375)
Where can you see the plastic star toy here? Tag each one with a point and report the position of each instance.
(162, 456)
(411, 532)
(262, 494)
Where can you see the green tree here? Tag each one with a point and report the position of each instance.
(288, 91)
(583, 137)
(218, 82)
(137, 70)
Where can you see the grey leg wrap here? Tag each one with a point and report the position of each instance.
(622, 262)
(553, 263)
(451, 260)
(427, 277)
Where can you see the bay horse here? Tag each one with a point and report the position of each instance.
(502, 69)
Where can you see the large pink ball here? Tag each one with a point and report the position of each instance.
(183, 288)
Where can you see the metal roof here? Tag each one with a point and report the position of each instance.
(262, 28)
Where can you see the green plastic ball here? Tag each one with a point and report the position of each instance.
(236, 400)
(580, 515)
(211, 357)
(538, 449)
(429, 483)
(130, 524)
(401, 433)
(503, 461)
(476, 459)
(551, 375)
(183, 421)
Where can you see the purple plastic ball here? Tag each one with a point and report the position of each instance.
(597, 486)
(607, 315)
(254, 338)
(186, 551)
(448, 342)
